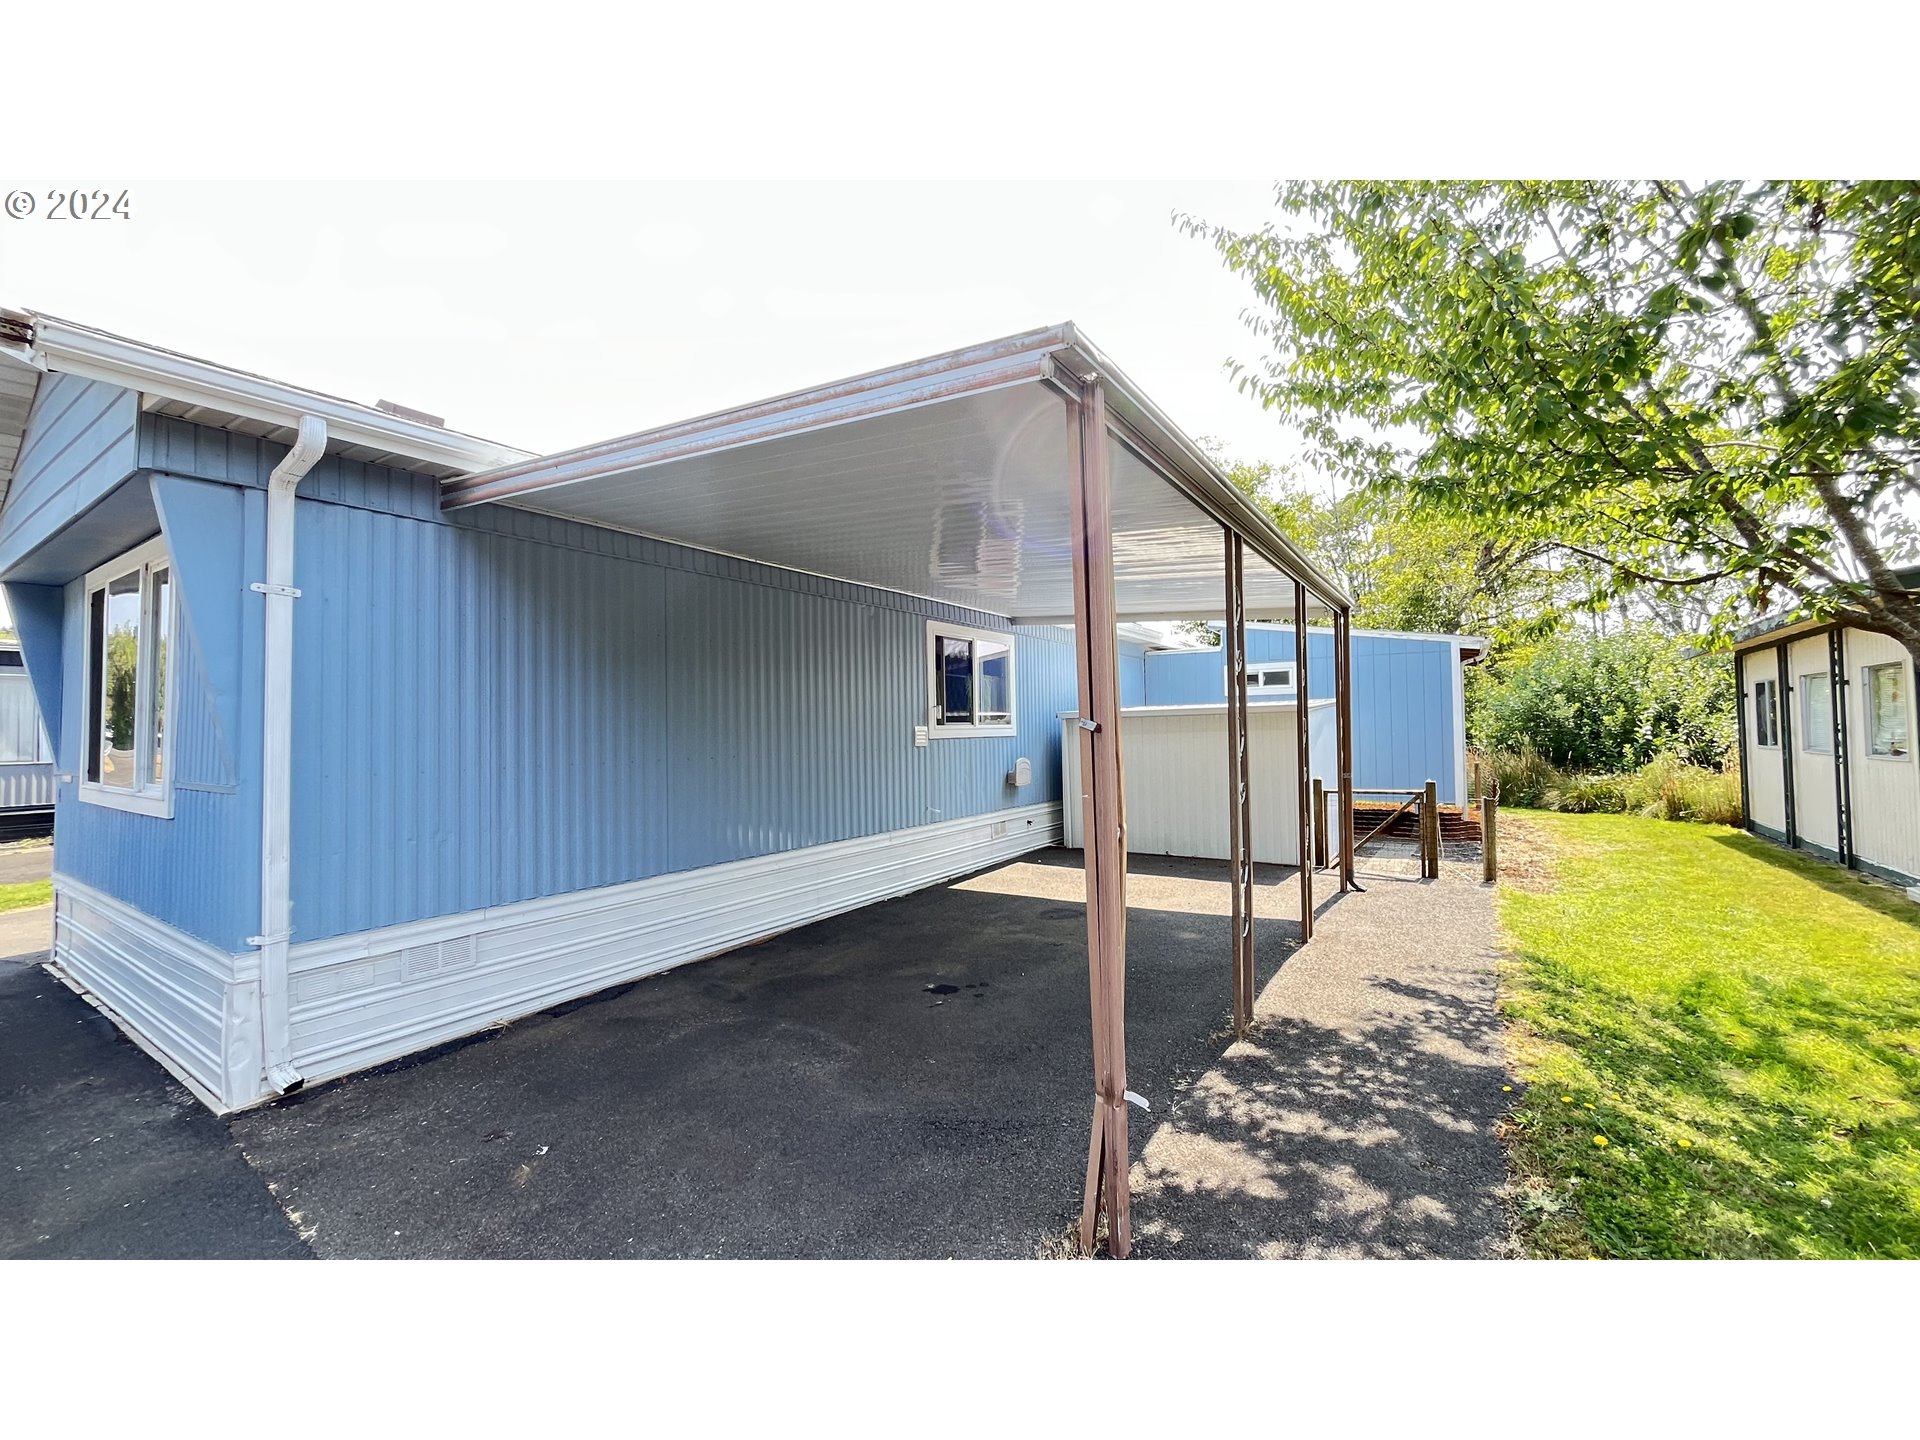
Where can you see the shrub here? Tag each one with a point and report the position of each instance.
(1607, 704)
(1525, 778)
(1591, 795)
(1666, 787)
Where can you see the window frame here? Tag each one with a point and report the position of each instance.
(1866, 710)
(1766, 720)
(149, 798)
(1808, 730)
(1259, 667)
(939, 729)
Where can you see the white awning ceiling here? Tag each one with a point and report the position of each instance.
(946, 478)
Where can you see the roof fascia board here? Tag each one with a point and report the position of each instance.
(95, 355)
(736, 430)
(824, 400)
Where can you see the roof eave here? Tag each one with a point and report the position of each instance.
(73, 349)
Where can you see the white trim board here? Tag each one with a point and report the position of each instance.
(362, 1000)
(186, 1003)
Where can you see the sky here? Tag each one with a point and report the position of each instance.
(619, 307)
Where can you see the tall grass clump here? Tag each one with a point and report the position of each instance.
(1665, 788)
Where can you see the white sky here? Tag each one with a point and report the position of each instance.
(588, 221)
(674, 296)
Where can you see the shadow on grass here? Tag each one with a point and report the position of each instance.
(1790, 1155)
(1833, 878)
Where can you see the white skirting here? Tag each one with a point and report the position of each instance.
(363, 999)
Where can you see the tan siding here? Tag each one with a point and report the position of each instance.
(1815, 811)
(1766, 795)
(1886, 792)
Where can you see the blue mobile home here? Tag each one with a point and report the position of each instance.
(1409, 705)
(370, 733)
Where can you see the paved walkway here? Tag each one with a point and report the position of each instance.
(1358, 1120)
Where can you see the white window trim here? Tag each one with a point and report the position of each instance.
(1772, 687)
(1807, 747)
(155, 802)
(938, 731)
(1866, 713)
(1254, 667)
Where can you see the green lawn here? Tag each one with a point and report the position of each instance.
(28, 892)
(1741, 1028)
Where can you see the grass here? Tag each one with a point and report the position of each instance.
(27, 893)
(1739, 1025)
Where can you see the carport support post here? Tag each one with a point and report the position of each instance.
(1103, 810)
(1343, 715)
(1302, 696)
(1239, 789)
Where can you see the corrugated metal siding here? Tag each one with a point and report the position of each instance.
(1405, 727)
(198, 871)
(26, 787)
(1133, 674)
(494, 711)
(1176, 778)
(1766, 786)
(1815, 807)
(1886, 791)
(79, 444)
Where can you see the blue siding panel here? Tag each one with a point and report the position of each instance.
(79, 444)
(503, 706)
(1403, 720)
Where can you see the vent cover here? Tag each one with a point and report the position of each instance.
(421, 962)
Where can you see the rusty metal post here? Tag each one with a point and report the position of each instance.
(1430, 832)
(1303, 808)
(1239, 786)
(1343, 714)
(1489, 837)
(1103, 811)
(1319, 824)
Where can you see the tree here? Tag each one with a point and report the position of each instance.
(1607, 703)
(1407, 568)
(1695, 391)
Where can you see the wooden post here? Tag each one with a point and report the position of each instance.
(1343, 711)
(1304, 808)
(1103, 811)
(1239, 787)
(1430, 832)
(1319, 824)
(1489, 837)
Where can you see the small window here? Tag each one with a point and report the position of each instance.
(1269, 679)
(129, 645)
(971, 684)
(1766, 713)
(1886, 687)
(1816, 714)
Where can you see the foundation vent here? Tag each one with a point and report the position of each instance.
(422, 962)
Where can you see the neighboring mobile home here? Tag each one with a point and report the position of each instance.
(1409, 695)
(26, 755)
(1826, 743)
(482, 731)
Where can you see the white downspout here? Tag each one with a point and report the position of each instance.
(276, 758)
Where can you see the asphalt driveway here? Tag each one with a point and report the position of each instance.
(912, 1080)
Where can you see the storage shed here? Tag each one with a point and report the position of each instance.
(1826, 743)
(428, 733)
